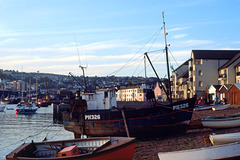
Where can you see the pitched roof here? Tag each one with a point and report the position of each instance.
(237, 85)
(184, 75)
(214, 54)
(185, 63)
(215, 86)
(237, 65)
(236, 57)
(227, 86)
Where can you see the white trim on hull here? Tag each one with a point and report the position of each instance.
(228, 121)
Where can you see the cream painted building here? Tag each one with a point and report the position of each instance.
(205, 67)
(179, 82)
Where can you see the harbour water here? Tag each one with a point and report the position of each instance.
(18, 129)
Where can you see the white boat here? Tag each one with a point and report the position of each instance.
(228, 121)
(2, 107)
(27, 108)
(220, 107)
(212, 106)
(204, 107)
(218, 139)
(227, 151)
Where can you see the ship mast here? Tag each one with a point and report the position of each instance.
(166, 50)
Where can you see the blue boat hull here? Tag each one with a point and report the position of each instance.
(26, 111)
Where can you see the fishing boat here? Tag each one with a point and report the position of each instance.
(110, 148)
(26, 108)
(100, 116)
(2, 107)
(228, 121)
(218, 139)
(227, 151)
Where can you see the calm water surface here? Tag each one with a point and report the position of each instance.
(17, 129)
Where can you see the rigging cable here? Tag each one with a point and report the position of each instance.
(149, 64)
(115, 72)
(77, 50)
(176, 61)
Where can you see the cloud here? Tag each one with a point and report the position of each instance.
(178, 36)
(190, 43)
(178, 29)
(236, 42)
(6, 41)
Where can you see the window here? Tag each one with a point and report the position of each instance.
(198, 61)
(200, 72)
(200, 84)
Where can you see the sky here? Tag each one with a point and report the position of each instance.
(110, 37)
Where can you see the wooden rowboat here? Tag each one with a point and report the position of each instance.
(228, 121)
(110, 148)
(224, 138)
(213, 107)
(204, 107)
(220, 107)
(227, 151)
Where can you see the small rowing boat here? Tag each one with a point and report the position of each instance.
(228, 121)
(212, 106)
(220, 107)
(2, 107)
(204, 107)
(227, 151)
(110, 148)
(218, 139)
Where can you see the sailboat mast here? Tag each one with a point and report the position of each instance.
(166, 50)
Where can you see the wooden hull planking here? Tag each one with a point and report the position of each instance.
(114, 148)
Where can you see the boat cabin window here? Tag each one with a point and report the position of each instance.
(91, 97)
(105, 94)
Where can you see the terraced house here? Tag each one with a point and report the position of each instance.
(206, 67)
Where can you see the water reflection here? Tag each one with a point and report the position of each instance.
(17, 129)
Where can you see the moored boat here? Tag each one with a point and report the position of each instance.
(100, 116)
(228, 121)
(218, 139)
(2, 107)
(26, 108)
(227, 151)
(110, 148)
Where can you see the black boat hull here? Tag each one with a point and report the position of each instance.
(144, 122)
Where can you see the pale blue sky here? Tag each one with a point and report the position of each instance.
(40, 35)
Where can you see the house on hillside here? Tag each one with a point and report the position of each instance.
(132, 93)
(234, 94)
(158, 92)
